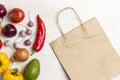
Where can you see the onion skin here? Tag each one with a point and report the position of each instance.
(30, 24)
(3, 11)
(0, 28)
(21, 54)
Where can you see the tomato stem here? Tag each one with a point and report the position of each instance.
(15, 15)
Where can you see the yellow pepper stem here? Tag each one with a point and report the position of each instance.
(0, 63)
(15, 72)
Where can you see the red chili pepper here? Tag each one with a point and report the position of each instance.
(0, 44)
(40, 35)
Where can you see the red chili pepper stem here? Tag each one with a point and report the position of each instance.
(34, 51)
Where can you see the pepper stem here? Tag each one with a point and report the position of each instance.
(34, 51)
(0, 63)
(15, 72)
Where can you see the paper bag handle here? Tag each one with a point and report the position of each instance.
(57, 19)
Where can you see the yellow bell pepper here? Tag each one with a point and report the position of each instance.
(12, 74)
(4, 62)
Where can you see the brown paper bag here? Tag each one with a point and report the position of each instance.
(86, 53)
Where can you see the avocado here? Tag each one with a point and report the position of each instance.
(32, 70)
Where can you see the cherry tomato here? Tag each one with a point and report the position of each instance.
(16, 15)
(0, 44)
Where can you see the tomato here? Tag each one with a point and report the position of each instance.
(0, 44)
(16, 15)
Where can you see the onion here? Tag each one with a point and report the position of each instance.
(23, 33)
(7, 43)
(16, 45)
(28, 31)
(9, 30)
(3, 11)
(30, 23)
(27, 42)
(21, 54)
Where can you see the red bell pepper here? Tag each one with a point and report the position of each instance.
(0, 44)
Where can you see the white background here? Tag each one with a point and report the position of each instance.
(106, 11)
